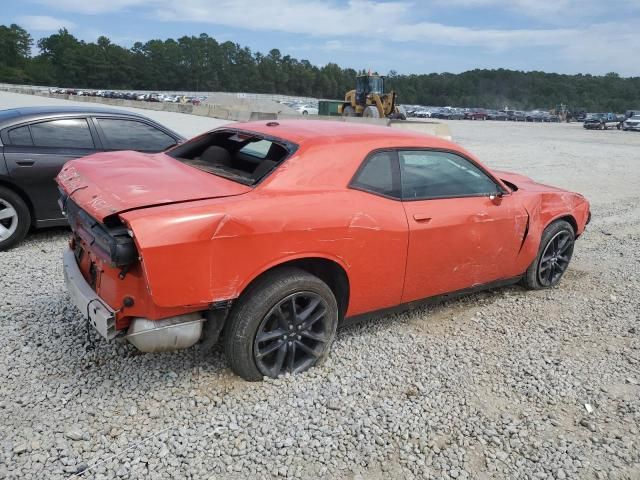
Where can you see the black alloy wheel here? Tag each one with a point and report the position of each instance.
(293, 334)
(284, 322)
(554, 255)
(555, 258)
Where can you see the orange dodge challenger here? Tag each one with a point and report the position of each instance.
(276, 232)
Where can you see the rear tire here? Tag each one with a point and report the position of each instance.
(371, 112)
(554, 255)
(273, 308)
(15, 218)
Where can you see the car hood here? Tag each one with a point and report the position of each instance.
(108, 183)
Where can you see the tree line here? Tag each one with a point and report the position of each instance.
(200, 63)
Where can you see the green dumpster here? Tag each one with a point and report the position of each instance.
(329, 107)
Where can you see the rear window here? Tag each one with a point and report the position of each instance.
(133, 135)
(64, 133)
(239, 156)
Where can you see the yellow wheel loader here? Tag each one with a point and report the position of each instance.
(369, 100)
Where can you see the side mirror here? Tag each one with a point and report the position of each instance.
(496, 197)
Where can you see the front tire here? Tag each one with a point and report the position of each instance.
(371, 112)
(15, 218)
(284, 323)
(554, 255)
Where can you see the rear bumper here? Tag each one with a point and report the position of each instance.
(93, 308)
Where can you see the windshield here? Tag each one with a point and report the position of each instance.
(375, 84)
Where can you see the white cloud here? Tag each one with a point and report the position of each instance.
(549, 11)
(313, 17)
(344, 26)
(495, 39)
(43, 23)
(95, 7)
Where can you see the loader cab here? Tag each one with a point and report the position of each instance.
(367, 84)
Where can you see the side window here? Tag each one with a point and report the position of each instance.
(429, 174)
(133, 135)
(380, 175)
(20, 136)
(65, 133)
(258, 149)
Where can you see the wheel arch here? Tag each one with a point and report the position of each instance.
(329, 271)
(21, 193)
(567, 218)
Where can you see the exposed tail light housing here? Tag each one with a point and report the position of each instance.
(112, 244)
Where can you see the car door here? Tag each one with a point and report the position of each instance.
(464, 229)
(379, 231)
(132, 134)
(35, 154)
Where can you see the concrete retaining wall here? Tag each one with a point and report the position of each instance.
(233, 114)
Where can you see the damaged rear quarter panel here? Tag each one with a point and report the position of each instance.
(206, 251)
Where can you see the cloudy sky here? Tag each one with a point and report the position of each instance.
(409, 36)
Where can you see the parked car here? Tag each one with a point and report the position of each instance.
(496, 115)
(535, 116)
(603, 121)
(579, 115)
(439, 113)
(37, 141)
(475, 114)
(516, 116)
(277, 232)
(422, 113)
(632, 123)
(306, 109)
(456, 114)
(447, 113)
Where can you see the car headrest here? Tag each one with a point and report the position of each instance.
(216, 155)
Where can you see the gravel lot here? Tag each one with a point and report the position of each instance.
(490, 386)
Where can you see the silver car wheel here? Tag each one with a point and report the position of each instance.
(8, 220)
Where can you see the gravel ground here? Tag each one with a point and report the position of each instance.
(506, 384)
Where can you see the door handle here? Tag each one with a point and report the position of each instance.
(421, 217)
(27, 162)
